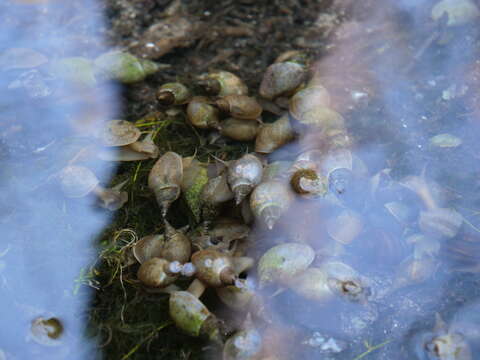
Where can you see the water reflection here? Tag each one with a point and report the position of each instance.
(396, 240)
(47, 110)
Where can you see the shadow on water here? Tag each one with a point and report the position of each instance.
(395, 239)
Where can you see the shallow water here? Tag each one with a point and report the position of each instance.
(407, 87)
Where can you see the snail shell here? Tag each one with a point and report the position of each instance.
(118, 133)
(173, 94)
(308, 99)
(274, 135)
(440, 222)
(240, 106)
(148, 247)
(216, 190)
(238, 129)
(281, 79)
(213, 268)
(234, 296)
(46, 331)
(195, 178)
(125, 67)
(158, 272)
(308, 181)
(222, 83)
(77, 181)
(337, 167)
(283, 262)
(345, 227)
(177, 246)
(412, 271)
(165, 179)
(201, 114)
(269, 201)
(243, 175)
(191, 315)
(243, 345)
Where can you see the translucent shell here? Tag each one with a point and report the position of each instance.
(223, 83)
(312, 284)
(440, 222)
(213, 268)
(156, 273)
(281, 79)
(124, 67)
(201, 114)
(165, 179)
(240, 106)
(272, 136)
(46, 331)
(243, 345)
(77, 181)
(236, 297)
(269, 201)
(118, 133)
(307, 100)
(283, 262)
(173, 94)
(243, 175)
(238, 129)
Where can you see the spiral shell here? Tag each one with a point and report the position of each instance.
(308, 99)
(118, 133)
(281, 79)
(201, 114)
(157, 272)
(243, 345)
(274, 135)
(269, 201)
(238, 129)
(243, 175)
(223, 83)
(283, 262)
(240, 106)
(173, 94)
(177, 246)
(213, 268)
(165, 179)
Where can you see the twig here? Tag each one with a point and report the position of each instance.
(371, 349)
(136, 347)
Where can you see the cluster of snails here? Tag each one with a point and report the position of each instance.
(317, 187)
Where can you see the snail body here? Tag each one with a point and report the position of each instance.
(165, 179)
(243, 175)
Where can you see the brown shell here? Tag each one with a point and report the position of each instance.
(269, 201)
(213, 268)
(148, 247)
(177, 245)
(173, 94)
(240, 106)
(308, 181)
(201, 114)
(165, 179)
(239, 129)
(281, 79)
(223, 83)
(152, 273)
(308, 99)
(118, 133)
(274, 135)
